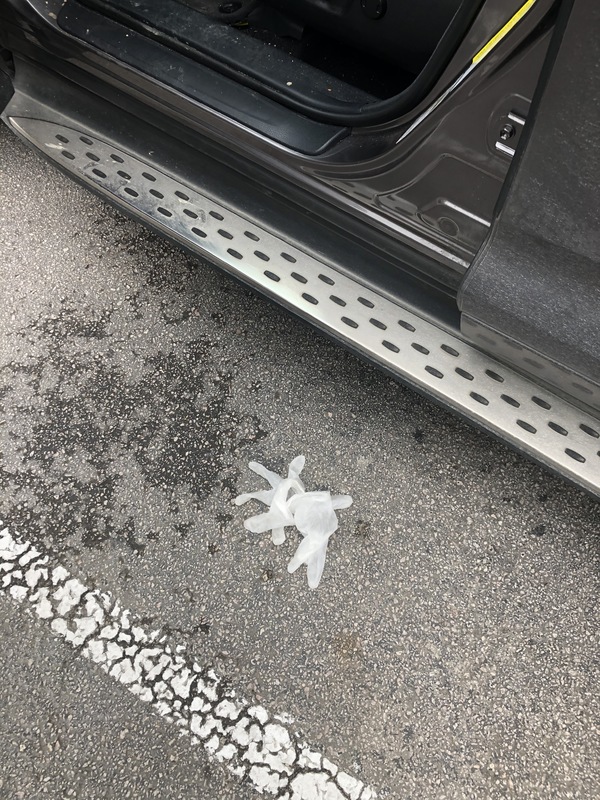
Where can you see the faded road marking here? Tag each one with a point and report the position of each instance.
(253, 744)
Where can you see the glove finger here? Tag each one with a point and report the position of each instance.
(315, 567)
(273, 478)
(263, 522)
(278, 536)
(263, 496)
(341, 501)
(296, 467)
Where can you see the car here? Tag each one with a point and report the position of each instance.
(420, 181)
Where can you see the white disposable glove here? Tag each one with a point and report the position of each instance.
(278, 515)
(314, 516)
(313, 513)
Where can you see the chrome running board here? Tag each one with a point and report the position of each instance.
(443, 366)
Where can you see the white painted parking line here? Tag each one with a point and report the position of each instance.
(252, 743)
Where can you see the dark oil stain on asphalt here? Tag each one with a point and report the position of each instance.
(539, 530)
(363, 528)
(176, 420)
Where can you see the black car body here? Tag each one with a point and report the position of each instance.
(418, 180)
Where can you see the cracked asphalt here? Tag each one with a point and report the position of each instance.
(451, 650)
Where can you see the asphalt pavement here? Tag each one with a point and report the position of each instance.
(452, 648)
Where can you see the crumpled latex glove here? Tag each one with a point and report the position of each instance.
(314, 516)
(278, 515)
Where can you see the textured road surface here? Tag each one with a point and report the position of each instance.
(451, 650)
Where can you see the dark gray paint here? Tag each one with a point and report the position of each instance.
(362, 174)
(538, 278)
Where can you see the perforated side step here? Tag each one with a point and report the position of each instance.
(443, 366)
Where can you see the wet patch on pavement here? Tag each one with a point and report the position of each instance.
(94, 436)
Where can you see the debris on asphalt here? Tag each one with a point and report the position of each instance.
(312, 513)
